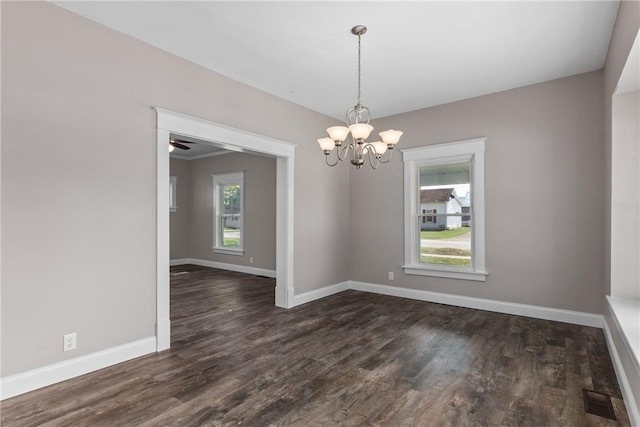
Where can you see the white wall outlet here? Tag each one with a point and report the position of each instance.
(70, 342)
(391, 275)
(250, 260)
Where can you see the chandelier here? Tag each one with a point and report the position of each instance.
(357, 120)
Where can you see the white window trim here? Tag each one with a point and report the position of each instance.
(219, 181)
(173, 185)
(414, 158)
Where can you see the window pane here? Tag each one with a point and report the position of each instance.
(445, 233)
(446, 246)
(231, 199)
(228, 207)
(173, 186)
(231, 226)
(231, 221)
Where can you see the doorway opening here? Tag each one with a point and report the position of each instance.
(168, 123)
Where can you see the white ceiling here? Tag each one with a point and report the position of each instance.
(415, 54)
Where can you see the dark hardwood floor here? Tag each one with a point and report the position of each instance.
(352, 359)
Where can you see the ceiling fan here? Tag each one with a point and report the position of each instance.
(178, 143)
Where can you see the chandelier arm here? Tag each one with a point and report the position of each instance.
(326, 158)
(373, 158)
(389, 159)
(342, 152)
(371, 147)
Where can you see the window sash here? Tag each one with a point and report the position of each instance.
(419, 250)
(223, 234)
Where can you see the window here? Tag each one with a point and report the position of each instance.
(429, 218)
(173, 188)
(444, 210)
(466, 219)
(228, 206)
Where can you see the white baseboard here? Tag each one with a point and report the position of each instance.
(625, 314)
(24, 382)
(319, 293)
(629, 399)
(537, 312)
(628, 364)
(225, 266)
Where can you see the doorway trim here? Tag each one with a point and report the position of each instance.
(169, 122)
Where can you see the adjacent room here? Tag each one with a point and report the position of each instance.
(320, 213)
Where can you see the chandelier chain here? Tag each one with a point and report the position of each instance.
(359, 71)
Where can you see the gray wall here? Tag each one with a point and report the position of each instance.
(544, 199)
(625, 196)
(78, 180)
(624, 33)
(179, 220)
(259, 208)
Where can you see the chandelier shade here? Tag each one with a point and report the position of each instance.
(390, 136)
(338, 133)
(360, 130)
(327, 144)
(380, 148)
(357, 124)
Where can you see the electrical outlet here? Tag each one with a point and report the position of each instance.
(391, 275)
(250, 260)
(70, 342)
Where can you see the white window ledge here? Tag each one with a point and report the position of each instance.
(627, 313)
(478, 276)
(173, 209)
(228, 251)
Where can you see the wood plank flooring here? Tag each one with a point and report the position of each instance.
(352, 359)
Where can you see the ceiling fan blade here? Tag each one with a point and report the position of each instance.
(182, 141)
(181, 146)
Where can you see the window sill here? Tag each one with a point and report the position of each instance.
(227, 251)
(478, 276)
(173, 209)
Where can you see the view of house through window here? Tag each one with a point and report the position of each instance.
(228, 207)
(445, 233)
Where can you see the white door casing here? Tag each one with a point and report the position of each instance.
(169, 122)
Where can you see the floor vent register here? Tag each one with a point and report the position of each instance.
(598, 404)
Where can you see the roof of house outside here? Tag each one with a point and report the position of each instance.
(437, 196)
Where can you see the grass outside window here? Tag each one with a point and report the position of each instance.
(453, 256)
(461, 262)
(444, 234)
